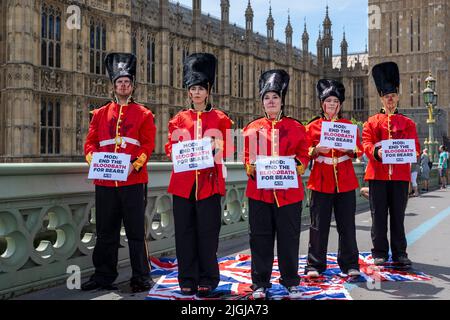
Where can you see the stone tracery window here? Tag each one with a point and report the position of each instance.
(50, 36)
(151, 60)
(97, 47)
(50, 126)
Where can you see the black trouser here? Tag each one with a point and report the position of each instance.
(197, 228)
(112, 205)
(388, 197)
(344, 207)
(267, 221)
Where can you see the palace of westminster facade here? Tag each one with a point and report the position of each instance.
(52, 73)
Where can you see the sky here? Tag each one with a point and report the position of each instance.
(348, 14)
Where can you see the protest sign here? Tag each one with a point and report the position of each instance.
(192, 155)
(397, 151)
(276, 173)
(338, 135)
(109, 166)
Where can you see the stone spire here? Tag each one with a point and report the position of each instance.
(289, 31)
(270, 25)
(249, 17)
(344, 52)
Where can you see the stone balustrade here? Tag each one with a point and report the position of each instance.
(47, 220)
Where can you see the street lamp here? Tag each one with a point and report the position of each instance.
(430, 98)
(430, 82)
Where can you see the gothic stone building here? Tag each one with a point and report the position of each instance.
(52, 72)
(416, 35)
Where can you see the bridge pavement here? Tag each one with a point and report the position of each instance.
(428, 232)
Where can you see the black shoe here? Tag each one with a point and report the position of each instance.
(403, 262)
(259, 293)
(109, 287)
(141, 286)
(187, 291)
(379, 261)
(204, 291)
(92, 285)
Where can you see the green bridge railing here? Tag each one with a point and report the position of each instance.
(47, 220)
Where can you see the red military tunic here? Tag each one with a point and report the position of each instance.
(286, 137)
(126, 129)
(193, 125)
(383, 127)
(332, 172)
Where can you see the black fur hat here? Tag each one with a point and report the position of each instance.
(386, 77)
(120, 64)
(327, 88)
(274, 81)
(199, 69)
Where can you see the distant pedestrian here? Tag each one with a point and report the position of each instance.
(414, 189)
(443, 166)
(425, 167)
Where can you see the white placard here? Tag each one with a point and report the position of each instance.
(397, 151)
(276, 173)
(192, 155)
(109, 166)
(338, 135)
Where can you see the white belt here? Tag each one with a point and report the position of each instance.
(120, 141)
(332, 161)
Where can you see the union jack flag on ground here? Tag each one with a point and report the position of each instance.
(235, 279)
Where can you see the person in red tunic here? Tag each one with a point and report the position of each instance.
(197, 193)
(274, 213)
(126, 127)
(388, 183)
(332, 183)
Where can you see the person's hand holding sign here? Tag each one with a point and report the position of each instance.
(130, 170)
(217, 145)
(250, 169)
(321, 149)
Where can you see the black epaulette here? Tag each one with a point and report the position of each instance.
(314, 119)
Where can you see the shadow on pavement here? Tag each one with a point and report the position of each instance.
(413, 290)
(410, 290)
(429, 196)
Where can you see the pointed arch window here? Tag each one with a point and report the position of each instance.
(50, 126)
(50, 37)
(172, 65)
(151, 61)
(185, 54)
(97, 50)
